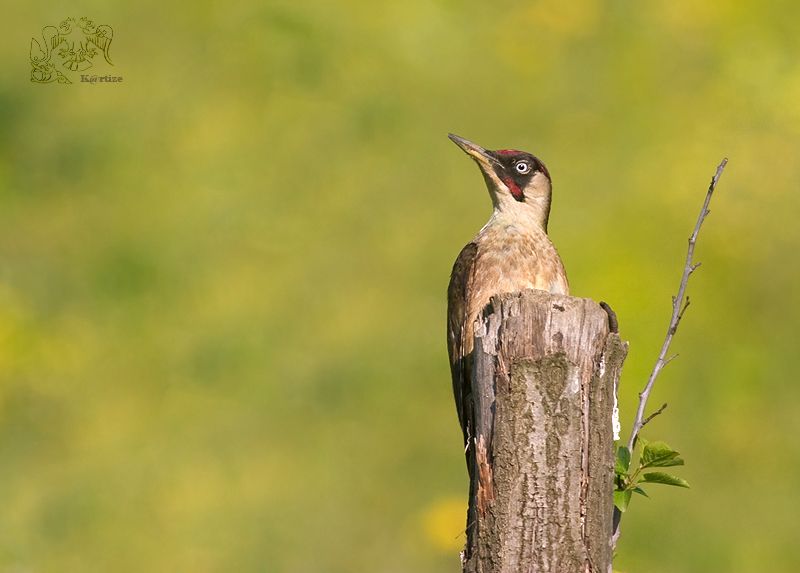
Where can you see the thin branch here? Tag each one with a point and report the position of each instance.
(685, 305)
(654, 414)
(679, 304)
(669, 359)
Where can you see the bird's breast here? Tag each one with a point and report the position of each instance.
(509, 260)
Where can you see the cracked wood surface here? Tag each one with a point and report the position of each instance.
(545, 368)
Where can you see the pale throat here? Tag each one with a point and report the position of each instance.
(530, 215)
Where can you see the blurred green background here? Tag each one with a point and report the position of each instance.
(222, 282)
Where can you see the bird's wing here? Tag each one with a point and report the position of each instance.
(102, 39)
(52, 38)
(457, 309)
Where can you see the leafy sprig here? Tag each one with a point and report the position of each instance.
(629, 479)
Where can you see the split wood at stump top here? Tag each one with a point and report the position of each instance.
(545, 368)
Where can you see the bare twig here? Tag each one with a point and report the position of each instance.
(685, 306)
(656, 413)
(679, 304)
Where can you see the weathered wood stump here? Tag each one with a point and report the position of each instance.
(544, 378)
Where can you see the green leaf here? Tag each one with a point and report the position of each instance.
(640, 491)
(623, 460)
(659, 455)
(665, 478)
(622, 499)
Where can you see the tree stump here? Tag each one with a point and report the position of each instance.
(545, 373)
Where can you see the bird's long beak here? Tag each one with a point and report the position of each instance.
(478, 153)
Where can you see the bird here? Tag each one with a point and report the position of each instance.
(511, 253)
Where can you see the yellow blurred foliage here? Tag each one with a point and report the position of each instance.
(222, 281)
(443, 522)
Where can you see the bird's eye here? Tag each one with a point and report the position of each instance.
(522, 167)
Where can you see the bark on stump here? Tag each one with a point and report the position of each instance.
(544, 376)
